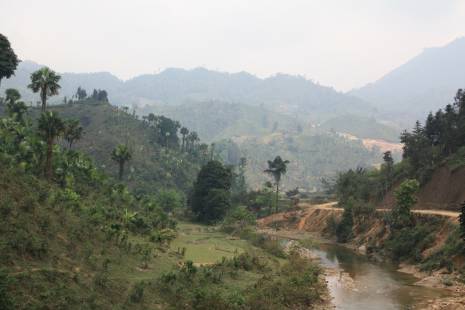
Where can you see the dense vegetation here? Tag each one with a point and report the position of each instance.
(8, 59)
(440, 141)
(74, 237)
(153, 166)
(313, 155)
(426, 148)
(64, 223)
(258, 121)
(211, 196)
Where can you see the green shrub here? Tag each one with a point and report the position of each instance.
(6, 300)
(297, 287)
(164, 236)
(25, 243)
(265, 242)
(344, 228)
(237, 220)
(137, 292)
(170, 200)
(331, 225)
(245, 261)
(409, 242)
(443, 258)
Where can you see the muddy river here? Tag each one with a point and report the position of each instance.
(357, 283)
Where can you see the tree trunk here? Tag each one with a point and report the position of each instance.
(121, 169)
(277, 196)
(48, 163)
(276, 206)
(43, 98)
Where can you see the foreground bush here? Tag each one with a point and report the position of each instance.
(296, 285)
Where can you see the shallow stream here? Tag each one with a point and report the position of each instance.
(357, 283)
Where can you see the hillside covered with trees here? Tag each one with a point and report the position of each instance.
(94, 214)
(432, 242)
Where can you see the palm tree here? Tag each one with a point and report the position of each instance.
(128, 217)
(73, 132)
(192, 138)
(276, 169)
(151, 118)
(12, 95)
(121, 155)
(45, 81)
(51, 127)
(14, 107)
(184, 132)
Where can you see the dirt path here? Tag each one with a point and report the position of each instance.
(331, 206)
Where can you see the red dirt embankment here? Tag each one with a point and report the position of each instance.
(313, 218)
(444, 191)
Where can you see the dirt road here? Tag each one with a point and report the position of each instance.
(331, 206)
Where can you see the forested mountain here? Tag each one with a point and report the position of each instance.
(433, 156)
(152, 167)
(257, 133)
(76, 238)
(419, 86)
(282, 114)
(313, 155)
(282, 93)
(216, 120)
(292, 95)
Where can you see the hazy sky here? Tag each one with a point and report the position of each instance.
(341, 43)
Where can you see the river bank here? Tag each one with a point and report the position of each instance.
(356, 282)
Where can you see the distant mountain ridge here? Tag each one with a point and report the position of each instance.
(292, 95)
(425, 83)
(282, 115)
(68, 82)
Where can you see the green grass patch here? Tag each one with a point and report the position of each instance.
(206, 244)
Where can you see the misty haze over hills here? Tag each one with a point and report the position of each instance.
(425, 83)
(283, 93)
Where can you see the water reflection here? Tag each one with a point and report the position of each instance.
(356, 283)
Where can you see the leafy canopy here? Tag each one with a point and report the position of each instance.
(45, 81)
(8, 59)
(277, 168)
(211, 195)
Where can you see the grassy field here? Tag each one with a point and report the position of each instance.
(206, 245)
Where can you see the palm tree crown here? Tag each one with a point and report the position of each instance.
(121, 155)
(15, 108)
(45, 81)
(51, 125)
(277, 168)
(73, 131)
